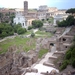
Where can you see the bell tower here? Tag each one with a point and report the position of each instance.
(25, 7)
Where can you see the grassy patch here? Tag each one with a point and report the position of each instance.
(28, 32)
(27, 43)
(43, 33)
(42, 52)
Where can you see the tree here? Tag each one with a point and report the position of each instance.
(37, 24)
(21, 30)
(30, 27)
(4, 34)
(16, 27)
(70, 20)
(72, 11)
(62, 24)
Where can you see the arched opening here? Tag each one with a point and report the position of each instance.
(64, 39)
(51, 44)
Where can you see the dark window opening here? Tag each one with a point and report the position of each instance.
(66, 47)
(64, 39)
(51, 44)
(6, 72)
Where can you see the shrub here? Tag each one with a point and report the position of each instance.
(68, 55)
(32, 34)
(68, 22)
(64, 65)
(11, 33)
(73, 53)
(43, 20)
(21, 30)
(4, 34)
(37, 24)
(30, 27)
(73, 63)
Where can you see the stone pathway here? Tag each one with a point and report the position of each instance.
(46, 58)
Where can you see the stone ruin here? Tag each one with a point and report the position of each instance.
(12, 62)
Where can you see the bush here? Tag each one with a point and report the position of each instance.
(30, 27)
(73, 63)
(16, 27)
(37, 24)
(32, 34)
(62, 24)
(21, 30)
(64, 65)
(68, 22)
(11, 33)
(68, 55)
(47, 19)
(73, 53)
(43, 19)
(4, 34)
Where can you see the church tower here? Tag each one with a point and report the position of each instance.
(25, 7)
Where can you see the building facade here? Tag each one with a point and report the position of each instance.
(43, 12)
(19, 18)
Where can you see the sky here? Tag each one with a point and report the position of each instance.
(60, 4)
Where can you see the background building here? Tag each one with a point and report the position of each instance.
(19, 18)
(43, 12)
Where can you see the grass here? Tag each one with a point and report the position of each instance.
(43, 33)
(42, 52)
(28, 32)
(27, 43)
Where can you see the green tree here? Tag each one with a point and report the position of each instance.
(30, 27)
(64, 65)
(72, 11)
(21, 30)
(73, 63)
(37, 24)
(68, 55)
(70, 20)
(62, 24)
(16, 27)
(4, 34)
(6, 30)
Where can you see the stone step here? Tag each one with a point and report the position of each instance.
(52, 59)
(49, 64)
(59, 53)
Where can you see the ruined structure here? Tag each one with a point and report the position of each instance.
(12, 62)
(16, 61)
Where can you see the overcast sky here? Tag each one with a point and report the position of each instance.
(60, 4)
